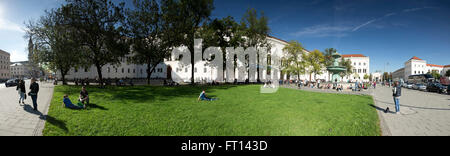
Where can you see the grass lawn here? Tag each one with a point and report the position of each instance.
(240, 110)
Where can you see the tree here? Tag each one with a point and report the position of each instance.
(223, 33)
(447, 73)
(366, 76)
(347, 63)
(256, 32)
(371, 77)
(150, 35)
(435, 74)
(314, 61)
(185, 17)
(53, 44)
(294, 62)
(98, 25)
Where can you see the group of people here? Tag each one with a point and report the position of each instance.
(83, 100)
(34, 89)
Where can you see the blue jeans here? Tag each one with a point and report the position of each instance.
(397, 104)
(208, 99)
(34, 99)
(22, 96)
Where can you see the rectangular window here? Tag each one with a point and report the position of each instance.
(205, 70)
(186, 70)
(195, 70)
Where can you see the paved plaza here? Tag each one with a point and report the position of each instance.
(421, 113)
(18, 119)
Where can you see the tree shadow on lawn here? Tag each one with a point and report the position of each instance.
(140, 94)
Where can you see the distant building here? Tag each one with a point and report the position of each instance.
(399, 74)
(361, 67)
(20, 70)
(415, 66)
(174, 69)
(4, 65)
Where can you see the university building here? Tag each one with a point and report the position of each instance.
(416, 66)
(204, 71)
(4, 65)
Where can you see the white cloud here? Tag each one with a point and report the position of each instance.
(9, 26)
(323, 31)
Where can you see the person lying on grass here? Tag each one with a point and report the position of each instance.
(203, 97)
(70, 105)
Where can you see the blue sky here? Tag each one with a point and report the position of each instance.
(387, 31)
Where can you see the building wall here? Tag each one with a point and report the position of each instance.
(4, 65)
(414, 67)
(203, 71)
(19, 70)
(399, 74)
(361, 66)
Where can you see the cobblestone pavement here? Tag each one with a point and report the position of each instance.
(421, 113)
(19, 119)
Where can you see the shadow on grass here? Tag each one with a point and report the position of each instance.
(55, 122)
(51, 120)
(95, 106)
(150, 93)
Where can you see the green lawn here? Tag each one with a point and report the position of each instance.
(241, 111)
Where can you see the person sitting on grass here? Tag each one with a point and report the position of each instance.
(203, 97)
(84, 96)
(70, 105)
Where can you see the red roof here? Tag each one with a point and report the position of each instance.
(353, 55)
(446, 66)
(416, 58)
(433, 65)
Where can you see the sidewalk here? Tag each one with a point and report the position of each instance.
(421, 113)
(20, 120)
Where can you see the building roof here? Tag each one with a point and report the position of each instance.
(284, 41)
(433, 65)
(353, 55)
(2, 51)
(415, 58)
(447, 66)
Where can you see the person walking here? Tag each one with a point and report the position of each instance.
(21, 89)
(34, 89)
(396, 93)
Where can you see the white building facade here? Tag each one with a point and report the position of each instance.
(416, 66)
(20, 70)
(204, 71)
(361, 67)
(4, 65)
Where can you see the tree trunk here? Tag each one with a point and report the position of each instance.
(191, 48)
(63, 76)
(99, 72)
(148, 73)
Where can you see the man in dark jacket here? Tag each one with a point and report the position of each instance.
(396, 93)
(34, 89)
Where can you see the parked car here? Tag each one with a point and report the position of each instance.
(436, 87)
(422, 87)
(12, 82)
(448, 89)
(409, 86)
(415, 86)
